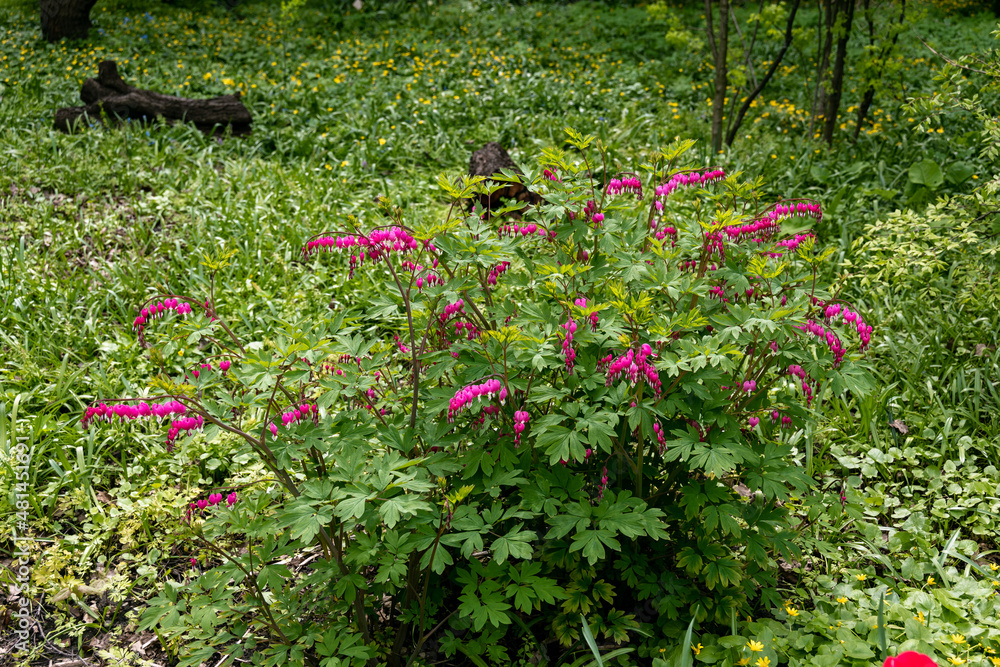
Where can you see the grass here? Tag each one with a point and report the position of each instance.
(348, 106)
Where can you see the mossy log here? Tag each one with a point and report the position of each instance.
(109, 98)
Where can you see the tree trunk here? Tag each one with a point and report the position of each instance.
(828, 15)
(883, 55)
(69, 19)
(837, 77)
(735, 124)
(720, 49)
(109, 97)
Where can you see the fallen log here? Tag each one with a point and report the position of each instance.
(109, 98)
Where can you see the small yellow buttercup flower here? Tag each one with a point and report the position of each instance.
(743, 661)
(956, 661)
(920, 617)
(930, 581)
(958, 639)
(995, 661)
(861, 577)
(994, 567)
(792, 611)
(697, 649)
(755, 645)
(763, 661)
(842, 600)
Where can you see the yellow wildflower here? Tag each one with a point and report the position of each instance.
(958, 639)
(956, 661)
(861, 577)
(763, 661)
(697, 649)
(995, 661)
(755, 645)
(842, 600)
(920, 617)
(792, 611)
(930, 581)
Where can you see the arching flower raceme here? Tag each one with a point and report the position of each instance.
(178, 426)
(521, 419)
(569, 352)
(466, 395)
(690, 178)
(633, 366)
(514, 230)
(374, 247)
(156, 310)
(630, 184)
(125, 411)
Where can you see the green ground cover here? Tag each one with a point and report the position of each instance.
(899, 533)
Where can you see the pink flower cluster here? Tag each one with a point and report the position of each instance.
(661, 438)
(521, 419)
(630, 184)
(664, 232)
(749, 386)
(155, 310)
(590, 213)
(854, 319)
(124, 411)
(496, 272)
(452, 309)
(594, 319)
(786, 421)
(793, 244)
(831, 338)
(297, 414)
(633, 366)
(604, 484)
(531, 229)
(212, 500)
(375, 246)
(802, 208)
(473, 392)
(800, 373)
(715, 245)
(757, 230)
(179, 425)
(430, 279)
(692, 178)
(470, 329)
(567, 346)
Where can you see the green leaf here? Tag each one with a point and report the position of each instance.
(926, 173)
(687, 660)
(353, 506)
(592, 543)
(959, 172)
(724, 572)
(588, 637)
(514, 544)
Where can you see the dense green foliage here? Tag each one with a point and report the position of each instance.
(899, 525)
